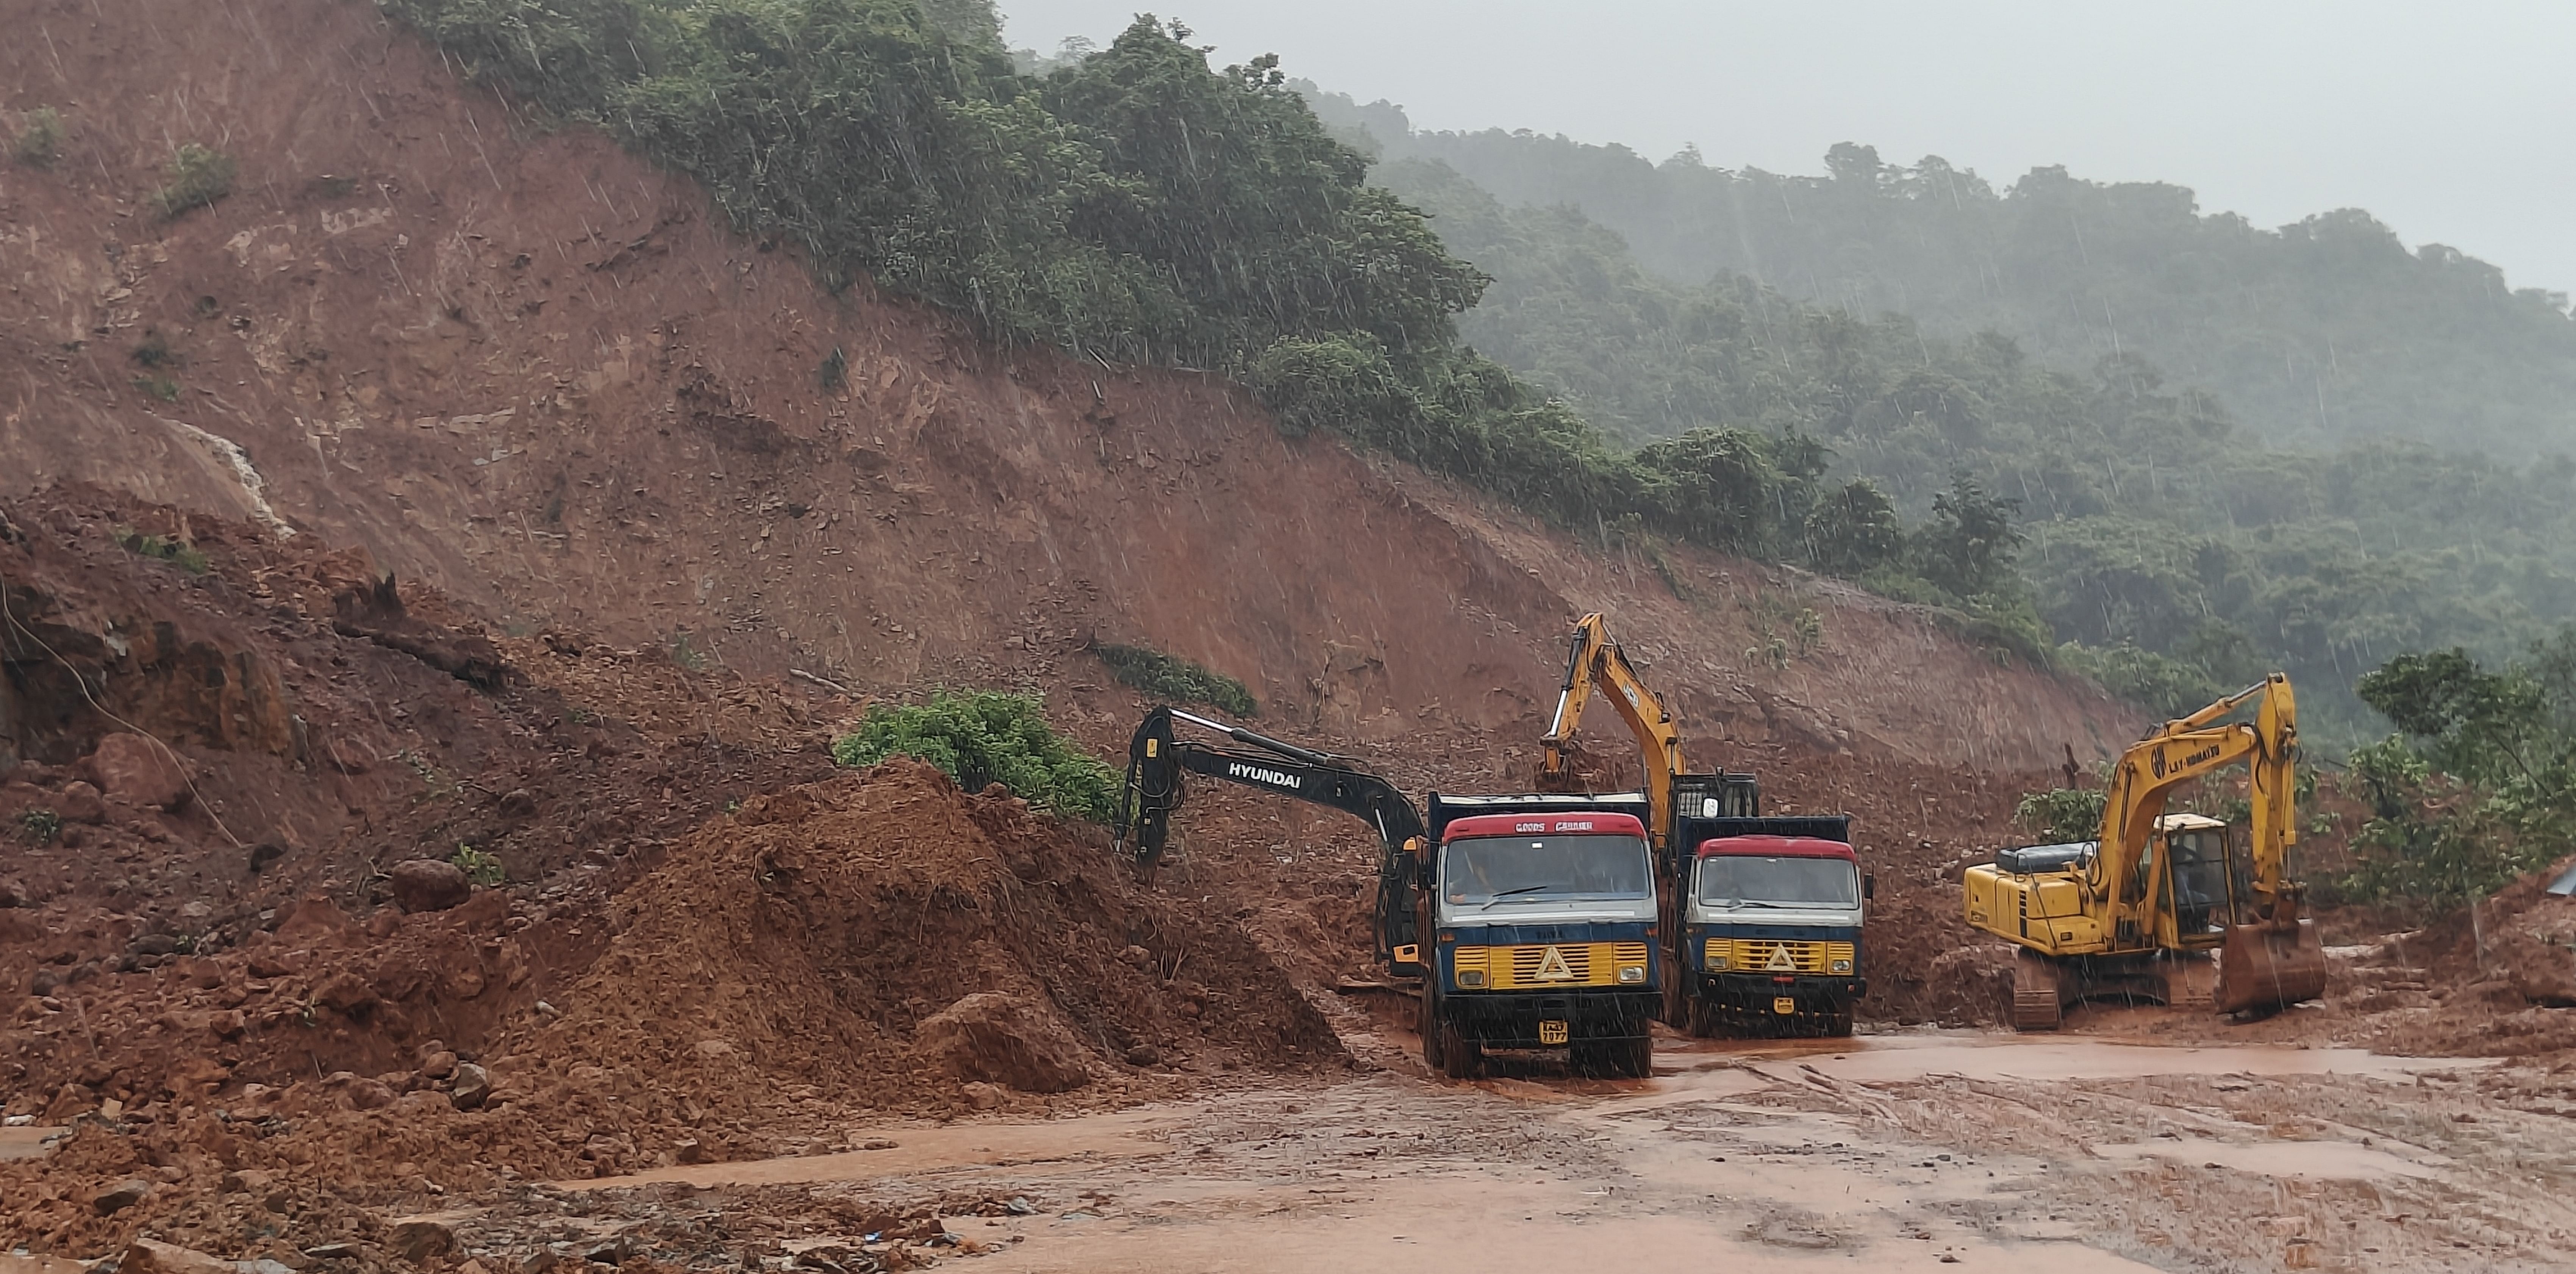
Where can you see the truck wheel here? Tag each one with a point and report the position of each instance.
(1700, 1019)
(1430, 1028)
(1460, 1057)
(1633, 1059)
(1836, 1024)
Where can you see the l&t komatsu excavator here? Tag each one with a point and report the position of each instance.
(2134, 913)
(1759, 918)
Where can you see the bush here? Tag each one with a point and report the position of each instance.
(980, 737)
(479, 867)
(1176, 679)
(40, 138)
(2063, 814)
(197, 177)
(163, 549)
(42, 827)
(2159, 683)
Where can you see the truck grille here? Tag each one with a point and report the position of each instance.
(1528, 967)
(1768, 955)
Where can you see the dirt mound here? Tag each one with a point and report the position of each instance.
(880, 937)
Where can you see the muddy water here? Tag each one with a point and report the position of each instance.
(1910, 1152)
(25, 1141)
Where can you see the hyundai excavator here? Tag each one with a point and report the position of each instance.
(1759, 918)
(1156, 760)
(2135, 912)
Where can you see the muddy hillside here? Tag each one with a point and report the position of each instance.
(522, 366)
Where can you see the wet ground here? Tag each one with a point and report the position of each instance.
(1907, 1151)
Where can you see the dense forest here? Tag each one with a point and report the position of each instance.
(2325, 331)
(2173, 551)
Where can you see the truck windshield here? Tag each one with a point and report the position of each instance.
(1731, 880)
(1544, 868)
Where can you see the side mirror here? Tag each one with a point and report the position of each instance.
(1868, 888)
(1417, 851)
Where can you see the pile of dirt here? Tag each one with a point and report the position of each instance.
(901, 946)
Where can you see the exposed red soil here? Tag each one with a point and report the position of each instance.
(525, 367)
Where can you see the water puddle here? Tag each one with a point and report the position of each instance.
(910, 1150)
(27, 1141)
(1898, 1058)
(2329, 1160)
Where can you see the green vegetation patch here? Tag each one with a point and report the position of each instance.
(40, 827)
(40, 138)
(196, 177)
(981, 737)
(1176, 679)
(2478, 786)
(480, 868)
(162, 549)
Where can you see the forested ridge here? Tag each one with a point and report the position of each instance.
(1134, 202)
(2323, 331)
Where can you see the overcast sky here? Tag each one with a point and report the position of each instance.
(2454, 123)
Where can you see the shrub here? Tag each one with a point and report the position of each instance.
(479, 867)
(40, 826)
(163, 549)
(197, 177)
(157, 386)
(2062, 814)
(980, 737)
(40, 138)
(1177, 679)
(2159, 683)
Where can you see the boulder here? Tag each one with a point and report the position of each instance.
(472, 1085)
(420, 1238)
(143, 1256)
(138, 771)
(81, 803)
(999, 1037)
(426, 884)
(119, 1197)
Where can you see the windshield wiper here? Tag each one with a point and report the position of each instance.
(1732, 903)
(1525, 889)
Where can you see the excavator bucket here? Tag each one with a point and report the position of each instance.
(2270, 964)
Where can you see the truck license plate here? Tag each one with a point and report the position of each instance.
(1551, 1032)
(1783, 1004)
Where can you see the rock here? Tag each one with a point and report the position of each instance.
(999, 1037)
(1144, 1055)
(420, 1238)
(370, 1094)
(473, 1084)
(143, 1256)
(246, 1181)
(80, 803)
(117, 1198)
(426, 884)
(138, 771)
(346, 993)
(438, 1065)
(420, 1104)
(153, 944)
(690, 1150)
(14, 894)
(980, 1095)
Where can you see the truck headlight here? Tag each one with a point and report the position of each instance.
(1717, 962)
(1632, 973)
(1842, 966)
(1471, 978)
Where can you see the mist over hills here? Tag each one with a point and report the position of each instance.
(2323, 331)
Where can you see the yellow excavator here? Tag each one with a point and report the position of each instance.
(2135, 913)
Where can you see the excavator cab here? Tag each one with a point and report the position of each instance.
(2200, 880)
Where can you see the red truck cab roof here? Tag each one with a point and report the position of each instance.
(1775, 847)
(1583, 823)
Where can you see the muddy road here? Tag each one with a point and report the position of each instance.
(1912, 1150)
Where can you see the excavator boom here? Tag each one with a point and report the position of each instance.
(1157, 760)
(1592, 658)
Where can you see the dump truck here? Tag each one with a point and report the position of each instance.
(1758, 919)
(2136, 912)
(1770, 915)
(1539, 911)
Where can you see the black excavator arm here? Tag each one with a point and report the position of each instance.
(1156, 762)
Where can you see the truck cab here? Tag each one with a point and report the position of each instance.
(1541, 916)
(1770, 918)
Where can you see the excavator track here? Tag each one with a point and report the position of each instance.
(2036, 1005)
